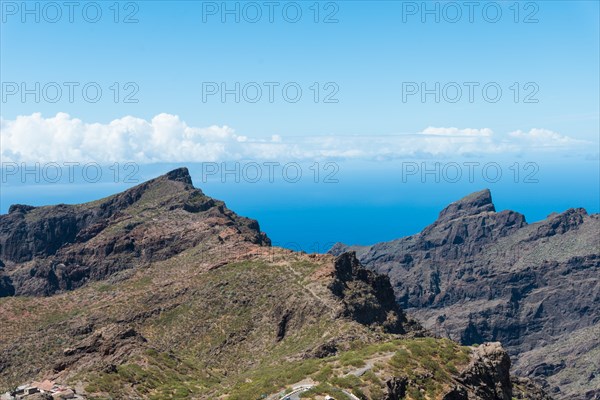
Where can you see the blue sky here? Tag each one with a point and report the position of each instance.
(366, 61)
(368, 53)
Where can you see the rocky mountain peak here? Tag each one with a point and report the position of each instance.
(180, 174)
(19, 208)
(170, 187)
(478, 275)
(473, 204)
(66, 245)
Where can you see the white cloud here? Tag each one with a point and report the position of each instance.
(167, 138)
(485, 132)
(544, 138)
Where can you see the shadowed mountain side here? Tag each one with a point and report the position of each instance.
(478, 275)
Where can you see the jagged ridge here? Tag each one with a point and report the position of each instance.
(479, 275)
(53, 248)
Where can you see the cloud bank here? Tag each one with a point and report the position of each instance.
(167, 138)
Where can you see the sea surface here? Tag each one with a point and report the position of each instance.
(350, 202)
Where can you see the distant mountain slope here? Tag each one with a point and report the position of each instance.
(161, 292)
(53, 248)
(478, 275)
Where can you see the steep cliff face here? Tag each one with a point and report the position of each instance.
(478, 275)
(368, 298)
(6, 286)
(55, 248)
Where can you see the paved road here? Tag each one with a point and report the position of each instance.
(298, 390)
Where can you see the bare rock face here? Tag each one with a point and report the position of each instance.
(558, 224)
(477, 275)
(473, 204)
(57, 248)
(457, 393)
(112, 344)
(396, 388)
(488, 374)
(487, 377)
(368, 297)
(526, 389)
(6, 287)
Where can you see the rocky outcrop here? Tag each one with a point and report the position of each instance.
(112, 344)
(396, 388)
(57, 248)
(473, 204)
(6, 287)
(527, 389)
(368, 298)
(488, 374)
(488, 377)
(456, 393)
(558, 224)
(478, 275)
